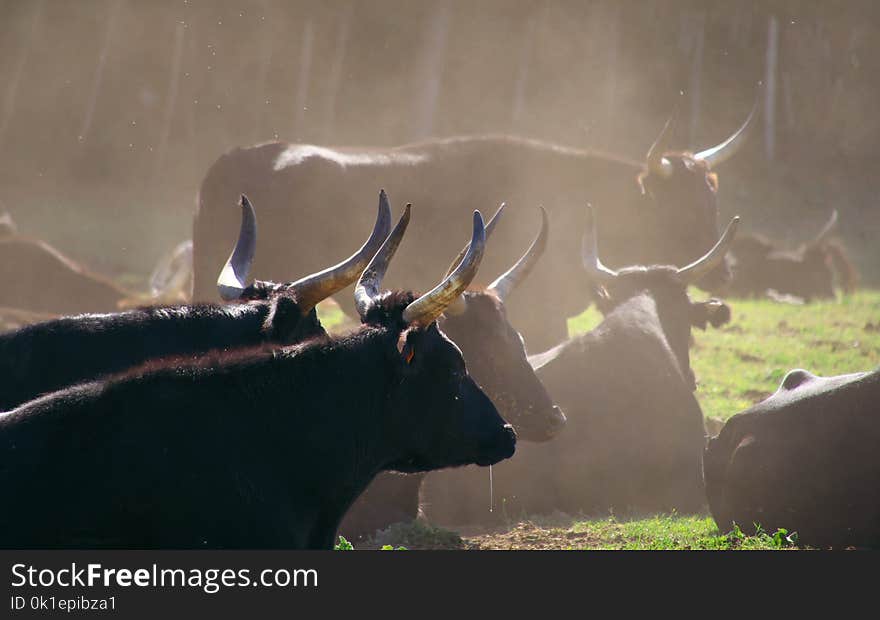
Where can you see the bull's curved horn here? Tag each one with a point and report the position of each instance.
(827, 230)
(703, 265)
(490, 226)
(722, 152)
(370, 282)
(319, 286)
(234, 275)
(508, 280)
(656, 162)
(432, 304)
(654, 159)
(590, 254)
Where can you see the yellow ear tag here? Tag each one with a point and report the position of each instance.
(409, 355)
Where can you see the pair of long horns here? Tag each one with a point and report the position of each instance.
(432, 304)
(713, 156)
(688, 274)
(510, 279)
(313, 288)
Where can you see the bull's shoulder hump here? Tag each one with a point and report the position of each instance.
(424, 151)
(345, 157)
(493, 141)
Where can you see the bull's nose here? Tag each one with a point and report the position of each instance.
(501, 447)
(509, 442)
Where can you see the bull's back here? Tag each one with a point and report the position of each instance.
(48, 356)
(315, 206)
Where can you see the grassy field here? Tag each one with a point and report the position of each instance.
(743, 362)
(736, 366)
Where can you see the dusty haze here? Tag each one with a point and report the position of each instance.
(111, 111)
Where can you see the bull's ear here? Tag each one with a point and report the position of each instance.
(283, 317)
(406, 346)
(713, 312)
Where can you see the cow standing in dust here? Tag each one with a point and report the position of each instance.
(661, 211)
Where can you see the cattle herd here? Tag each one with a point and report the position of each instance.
(233, 419)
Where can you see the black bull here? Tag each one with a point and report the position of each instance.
(804, 459)
(47, 356)
(662, 213)
(258, 448)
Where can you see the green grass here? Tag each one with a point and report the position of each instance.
(670, 532)
(673, 532)
(676, 533)
(743, 362)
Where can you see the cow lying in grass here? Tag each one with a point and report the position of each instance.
(808, 272)
(804, 459)
(47, 356)
(260, 448)
(634, 437)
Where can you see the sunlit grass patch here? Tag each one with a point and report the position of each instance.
(674, 532)
(669, 532)
(743, 362)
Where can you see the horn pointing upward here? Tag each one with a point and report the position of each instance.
(490, 226)
(827, 230)
(370, 282)
(508, 281)
(319, 286)
(727, 149)
(234, 275)
(703, 265)
(590, 253)
(429, 306)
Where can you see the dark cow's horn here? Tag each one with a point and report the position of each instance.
(508, 280)
(590, 254)
(727, 149)
(827, 230)
(319, 286)
(490, 226)
(234, 275)
(459, 305)
(700, 267)
(429, 306)
(370, 282)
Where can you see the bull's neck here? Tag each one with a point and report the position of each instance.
(340, 390)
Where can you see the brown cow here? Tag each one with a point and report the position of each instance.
(35, 277)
